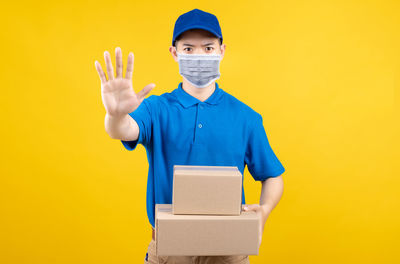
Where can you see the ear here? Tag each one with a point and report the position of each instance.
(223, 47)
(173, 52)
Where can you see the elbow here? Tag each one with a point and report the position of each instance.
(112, 135)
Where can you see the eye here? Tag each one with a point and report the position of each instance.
(209, 48)
(187, 49)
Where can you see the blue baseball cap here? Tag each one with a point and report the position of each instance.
(197, 18)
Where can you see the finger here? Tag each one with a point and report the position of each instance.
(110, 69)
(118, 61)
(129, 67)
(251, 207)
(101, 73)
(145, 91)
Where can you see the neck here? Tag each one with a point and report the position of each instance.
(200, 93)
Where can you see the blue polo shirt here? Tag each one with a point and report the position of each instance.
(178, 129)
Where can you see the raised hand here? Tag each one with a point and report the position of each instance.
(117, 93)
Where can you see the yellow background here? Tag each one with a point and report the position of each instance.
(323, 74)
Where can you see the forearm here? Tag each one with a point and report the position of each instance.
(271, 192)
(122, 127)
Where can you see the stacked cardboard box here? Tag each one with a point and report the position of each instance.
(206, 217)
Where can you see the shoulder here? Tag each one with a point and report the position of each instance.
(166, 96)
(156, 102)
(150, 103)
(151, 99)
(242, 109)
(154, 99)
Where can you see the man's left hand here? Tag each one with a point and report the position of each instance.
(264, 212)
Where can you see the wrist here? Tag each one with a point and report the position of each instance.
(266, 209)
(115, 117)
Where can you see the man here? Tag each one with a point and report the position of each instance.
(198, 123)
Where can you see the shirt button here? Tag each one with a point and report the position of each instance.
(201, 107)
(200, 125)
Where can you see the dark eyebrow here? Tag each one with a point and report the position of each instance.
(207, 44)
(190, 45)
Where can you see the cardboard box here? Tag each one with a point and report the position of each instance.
(214, 190)
(206, 235)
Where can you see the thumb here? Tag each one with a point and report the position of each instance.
(250, 207)
(145, 90)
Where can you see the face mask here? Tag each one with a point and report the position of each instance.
(199, 69)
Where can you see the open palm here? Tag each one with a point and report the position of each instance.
(117, 93)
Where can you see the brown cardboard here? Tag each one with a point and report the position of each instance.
(214, 190)
(206, 235)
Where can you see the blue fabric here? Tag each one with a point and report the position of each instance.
(178, 129)
(197, 18)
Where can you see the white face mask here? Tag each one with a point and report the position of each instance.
(199, 69)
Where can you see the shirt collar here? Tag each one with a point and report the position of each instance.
(187, 100)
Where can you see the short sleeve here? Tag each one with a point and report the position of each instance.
(142, 116)
(261, 161)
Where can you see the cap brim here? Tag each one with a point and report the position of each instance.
(196, 27)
